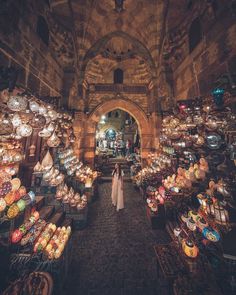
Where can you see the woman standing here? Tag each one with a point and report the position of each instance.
(117, 194)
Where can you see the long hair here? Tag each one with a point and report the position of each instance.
(117, 170)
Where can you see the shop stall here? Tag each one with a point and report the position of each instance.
(34, 197)
(189, 186)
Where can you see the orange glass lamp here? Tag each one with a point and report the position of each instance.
(189, 248)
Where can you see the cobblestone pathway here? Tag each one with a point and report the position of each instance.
(114, 254)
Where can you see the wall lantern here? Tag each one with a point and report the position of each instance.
(218, 96)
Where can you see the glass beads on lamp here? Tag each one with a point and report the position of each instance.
(24, 130)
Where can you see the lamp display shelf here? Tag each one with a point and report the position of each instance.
(74, 167)
(159, 166)
(40, 236)
(33, 283)
(22, 113)
(14, 198)
(57, 268)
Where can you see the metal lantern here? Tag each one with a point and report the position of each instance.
(218, 96)
(209, 206)
(221, 215)
(24, 130)
(34, 106)
(17, 103)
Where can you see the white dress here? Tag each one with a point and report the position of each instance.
(117, 194)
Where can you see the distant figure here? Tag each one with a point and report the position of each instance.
(128, 147)
(117, 194)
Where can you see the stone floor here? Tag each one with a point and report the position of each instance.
(114, 254)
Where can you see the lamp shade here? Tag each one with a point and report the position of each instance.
(190, 249)
(221, 215)
(218, 96)
(211, 234)
(47, 161)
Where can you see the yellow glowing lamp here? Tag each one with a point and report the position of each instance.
(190, 249)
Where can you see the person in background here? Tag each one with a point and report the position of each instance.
(128, 146)
(117, 194)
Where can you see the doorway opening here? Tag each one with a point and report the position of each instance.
(117, 135)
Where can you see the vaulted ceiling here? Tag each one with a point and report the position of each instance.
(97, 26)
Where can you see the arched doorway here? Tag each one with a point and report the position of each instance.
(145, 126)
(116, 131)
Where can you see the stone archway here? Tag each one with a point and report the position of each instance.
(145, 126)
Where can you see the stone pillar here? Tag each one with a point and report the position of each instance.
(79, 130)
(90, 142)
(155, 114)
(157, 123)
(147, 145)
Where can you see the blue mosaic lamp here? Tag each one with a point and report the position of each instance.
(218, 96)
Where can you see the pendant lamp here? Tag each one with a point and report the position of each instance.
(47, 161)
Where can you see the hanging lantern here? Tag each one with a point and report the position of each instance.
(51, 127)
(38, 167)
(17, 103)
(38, 121)
(214, 141)
(42, 110)
(16, 120)
(209, 206)
(34, 106)
(221, 215)
(24, 130)
(6, 125)
(44, 133)
(47, 162)
(218, 96)
(52, 114)
(53, 140)
(190, 249)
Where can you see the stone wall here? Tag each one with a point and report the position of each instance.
(20, 46)
(195, 73)
(96, 98)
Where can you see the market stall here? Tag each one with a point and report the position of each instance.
(189, 186)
